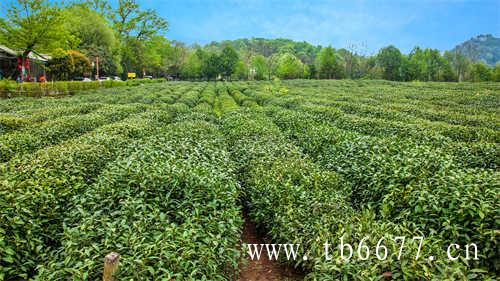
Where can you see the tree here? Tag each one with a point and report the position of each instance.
(390, 60)
(177, 54)
(135, 27)
(459, 63)
(240, 70)
(211, 66)
(432, 64)
(228, 60)
(100, 6)
(350, 61)
(272, 65)
(415, 67)
(156, 54)
(496, 73)
(445, 71)
(260, 67)
(480, 72)
(312, 72)
(33, 25)
(289, 67)
(326, 63)
(130, 20)
(92, 35)
(66, 65)
(191, 68)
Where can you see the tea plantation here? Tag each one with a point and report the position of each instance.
(164, 173)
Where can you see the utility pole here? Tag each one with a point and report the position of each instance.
(97, 68)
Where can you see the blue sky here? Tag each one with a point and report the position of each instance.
(440, 24)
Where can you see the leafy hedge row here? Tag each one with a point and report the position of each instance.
(224, 102)
(169, 208)
(56, 130)
(242, 99)
(473, 147)
(384, 123)
(406, 182)
(9, 89)
(298, 202)
(20, 113)
(191, 97)
(35, 190)
(207, 100)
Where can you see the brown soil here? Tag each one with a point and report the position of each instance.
(263, 269)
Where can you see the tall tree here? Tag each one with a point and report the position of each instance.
(496, 73)
(191, 68)
(177, 55)
(289, 67)
(415, 66)
(240, 70)
(134, 27)
(228, 60)
(260, 67)
(156, 54)
(92, 35)
(459, 63)
(326, 63)
(33, 25)
(432, 64)
(272, 65)
(211, 65)
(350, 61)
(480, 72)
(100, 6)
(390, 60)
(129, 20)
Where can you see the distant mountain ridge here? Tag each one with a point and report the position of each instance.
(484, 47)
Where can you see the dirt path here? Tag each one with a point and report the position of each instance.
(263, 269)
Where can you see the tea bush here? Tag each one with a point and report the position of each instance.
(160, 173)
(176, 188)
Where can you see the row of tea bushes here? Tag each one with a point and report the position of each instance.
(376, 123)
(402, 109)
(448, 104)
(240, 98)
(224, 102)
(39, 135)
(296, 201)
(405, 182)
(207, 100)
(35, 189)
(10, 121)
(191, 97)
(65, 120)
(169, 208)
(473, 153)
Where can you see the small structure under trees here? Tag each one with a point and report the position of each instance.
(12, 65)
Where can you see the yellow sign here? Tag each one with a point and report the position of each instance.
(131, 75)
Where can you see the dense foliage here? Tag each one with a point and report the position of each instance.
(160, 173)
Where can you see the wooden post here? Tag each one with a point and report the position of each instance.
(110, 266)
